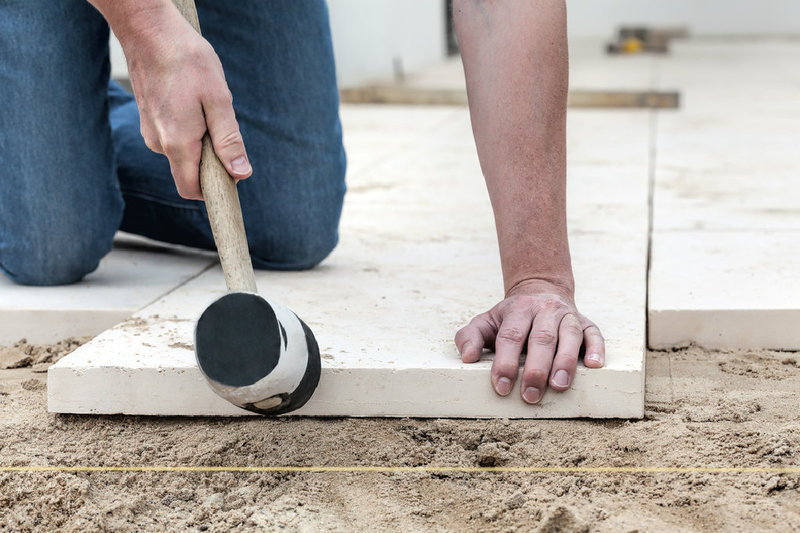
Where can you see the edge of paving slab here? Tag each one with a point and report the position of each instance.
(47, 326)
(359, 392)
(725, 329)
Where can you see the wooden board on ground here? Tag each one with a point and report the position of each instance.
(405, 95)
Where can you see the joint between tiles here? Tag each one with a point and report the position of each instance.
(181, 284)
(651, 188)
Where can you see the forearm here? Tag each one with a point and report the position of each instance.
(515, 60)
(135, 21)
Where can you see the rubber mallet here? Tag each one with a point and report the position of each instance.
(254, 353)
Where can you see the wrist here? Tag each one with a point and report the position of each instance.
(562, 284)
(138, 22)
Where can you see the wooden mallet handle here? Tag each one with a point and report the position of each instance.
(222, 201)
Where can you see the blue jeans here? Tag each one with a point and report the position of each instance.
(74, 168)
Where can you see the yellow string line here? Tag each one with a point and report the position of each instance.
(423, 469)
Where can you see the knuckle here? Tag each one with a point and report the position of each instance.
(473, 323)
(232, 139)
(512, 334)
(169, 145)
(224, 97)
(535, 376)
(551, 304)
(521, 304)
(594, 332)
(571, 327)
(221, 98)
(544, 337)
(508, 369)
(151, 143)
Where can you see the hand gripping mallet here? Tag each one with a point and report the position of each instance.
(256, 354)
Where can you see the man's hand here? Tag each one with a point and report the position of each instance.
(180, 89)
(515, 61)
(541, 318)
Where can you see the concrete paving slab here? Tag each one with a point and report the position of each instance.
(725, 289)
(417, 260)
(133, 275)
(590, 67)
(726, 218)
(373, 132)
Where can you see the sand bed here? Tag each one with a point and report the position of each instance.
(704, 409)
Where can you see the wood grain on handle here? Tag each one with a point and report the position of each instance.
(222, 201)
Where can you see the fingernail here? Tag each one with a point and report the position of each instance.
(240, 164)
(503, 386)
(532, 395)
(594, 357)
(465, 348)
(561, 378)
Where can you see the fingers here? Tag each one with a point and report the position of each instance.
(224, 132)
(184, 162)
(471, 339)
(553, 332)
(150, 138)
(570, 338)
(595, 346)
(182, 94)
(508, 345)
(541, 347)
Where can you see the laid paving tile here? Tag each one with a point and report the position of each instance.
(728, 159)
(726, 217)
(133, 275)
(417, 260)
(725, 289)
(373, 132)
(590, 67)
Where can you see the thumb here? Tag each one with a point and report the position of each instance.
(472, 338)
(226, 138)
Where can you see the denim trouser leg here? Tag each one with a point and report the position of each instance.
(278, 62)
(59, 198)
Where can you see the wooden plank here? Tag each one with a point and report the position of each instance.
(579, 98)
(624, 99)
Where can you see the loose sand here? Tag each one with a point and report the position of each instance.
(704, 409)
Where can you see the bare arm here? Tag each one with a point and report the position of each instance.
(515, 59)
(180, 89)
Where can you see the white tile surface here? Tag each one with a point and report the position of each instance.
(725, 289)
(134, 274)
(726, 212)
(417, 260)
(590, 67)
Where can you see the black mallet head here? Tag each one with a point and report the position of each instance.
(257, 355)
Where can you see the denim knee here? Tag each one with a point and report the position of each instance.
(303, 245)
(295, 257)
(50, 259)
(300, 231)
